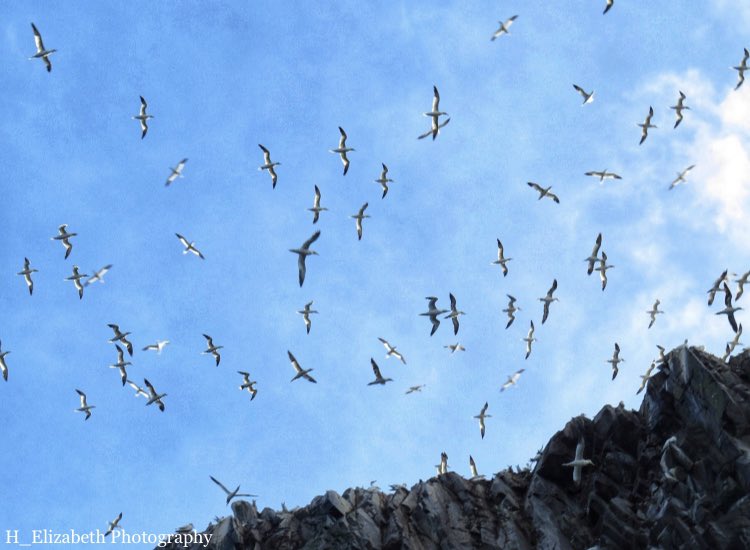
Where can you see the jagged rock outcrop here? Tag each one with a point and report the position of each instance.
(675, 474)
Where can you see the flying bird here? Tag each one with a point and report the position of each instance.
(230, 494)
(378, 377)
(680, 177)
(268, 165)
(548, 299)
(529, 339)
(189, 247)
(433, 312)
(587, 97)
(543, 191)
(501, 259)
(717, 286)
(392, 351)
(41, 52)
(435, 115)
(64, 236)
(602, 269)
(741, 282)
(316, 208)
(142, 117)
(157, 347)
(300, 372)
(3, 364)
(579, 462)
(121, 337)
(342, 150)
(615, 360)
(646, 125)
(729, 309)
(504, 28)
(645, 377)
(603, 175)
(741, 68)
(98, 275)
(154, 397)
(512, 380)
(121, 364)
(138, 390)
(85, 407)
(594, 256)
(27, 271)
(302, 253)
(384, 180)
(610, 3)
(114, 524)
(176, 172)
(413, 389)
(679, 108)
(76, 278)
(455, 347)
(212, 349)
(359, 216)
(511, 310)
(454, 314)
(248, 384)
(481, 416)
(306, 315)
(654, 312)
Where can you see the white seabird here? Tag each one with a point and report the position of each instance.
(548, 299)
(443, 463)
(454, 314)
(653, 312)
(176, 172)
(189, 247)
(529, 339)
(587, 97)
(384, 180)
(41, 52)
(455, 347)
(603, 175)
(662, 356)
(392, 351)
(342, 150)
(138, 390)
(741, 282)
(121, 337)
(302, 253)
(579, 462)
(230, 494)
(645, 377)
(473, 468)
(433, 312)
(501, 259)
(413, 389)
(142, 117)
(435, 115)
(679, 108)
(3, 364)
(157, 347)
(729, 309)
(305, 312)
(154, 397)
(610, 3)
(114, 524)
(378, 377)
(248, 384)
(316, 208)
(717, 286)
(76, 278)
(602, 269)
(680, 177)
(27, 271)
(646, 125)
(543, 191)
(98, 275)
(64, 236)
(504, 27)
(615, 361)
(121, 364)
(741, 68)
(512, 380)
(511, 310)
(212, 349)
(594, 256)
(481, 416)
(85, 407)
(268, 165)
(300, 372)
(359, 216)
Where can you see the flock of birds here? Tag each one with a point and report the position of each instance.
(438, 121)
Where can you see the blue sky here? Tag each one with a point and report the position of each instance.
(219, 81)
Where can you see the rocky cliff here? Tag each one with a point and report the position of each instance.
(675, 474)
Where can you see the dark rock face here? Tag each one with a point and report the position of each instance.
(675, 474)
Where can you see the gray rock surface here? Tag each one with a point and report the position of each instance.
(675, 474)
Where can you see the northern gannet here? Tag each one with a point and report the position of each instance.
(302, 253)
(587, 97)
(27, 271)
(76, 278)
(342, 150)
(64, 236)
(679, 108)
(300, 372)
(645, 377)
(121, 337)
(529, 339)
(602, 269)
(114, 524)
(176, 172)
(455, 347)
(142, 117)
(189, 247)
(378, 377)
(230, 494)
(729, 309)
(741, 282)
(543, 191)
(501, 259)
(443, 463)
(413, 389)
(603, 175)
(435, 115)
(138, 390)
(594, 256)
(680, 177)
(268, 165)
(579, 462)
(741, 68)
(717, 286)
(183, 530)
(511, 310)
(512, 379)
(504, 27)
(3, 364)
(316, 208)
(392, 351)
(662, 356)
(454, 314)
(610, 3)
(359, 216)
(305, 312)
(481, 416)
(157, 347)
(85, 407)
(548, 299)
(433, 312)
(384, 180)
(121, 364)
(98, 275)
(653, 312)
(473, 468)
(212, 349)
(615, 361)
(646, 125)
(41, 52)
(154, 397)
(248, 384)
